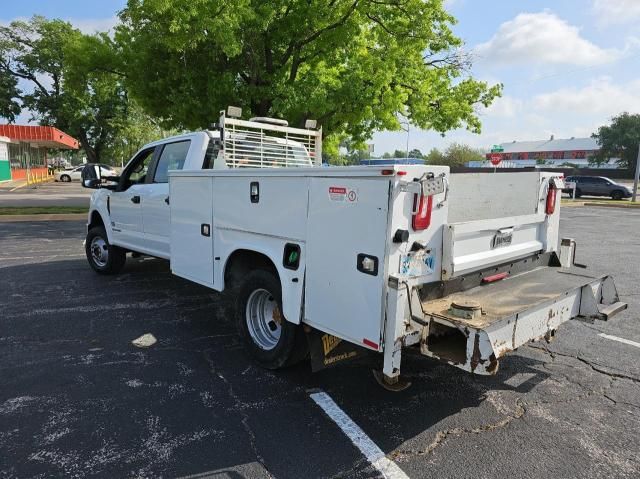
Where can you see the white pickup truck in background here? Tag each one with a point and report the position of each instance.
(334, 260)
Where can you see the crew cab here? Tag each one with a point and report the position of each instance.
(333, 262)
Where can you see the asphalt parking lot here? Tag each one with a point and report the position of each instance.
(46, 194)
(77, 399)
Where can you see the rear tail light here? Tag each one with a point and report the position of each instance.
(422, 205)
(551, 199)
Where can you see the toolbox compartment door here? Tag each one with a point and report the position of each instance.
(347, 224)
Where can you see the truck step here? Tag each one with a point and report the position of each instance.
(607, 310)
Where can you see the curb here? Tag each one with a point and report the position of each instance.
(624, 206)
(43, 217)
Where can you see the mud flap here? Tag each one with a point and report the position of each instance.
(327, 351)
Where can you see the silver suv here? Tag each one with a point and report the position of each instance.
(597, 186)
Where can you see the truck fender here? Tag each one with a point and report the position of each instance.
(292, 282)
(97, 217)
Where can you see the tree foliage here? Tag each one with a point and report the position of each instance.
(459, 154)
(9, 92)
(354, 65)
(434, 157)
(72, 82)
(620, 139)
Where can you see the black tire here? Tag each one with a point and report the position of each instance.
(115, 256)
(578, 193)
(617, 195)
(291, 345)
(65, 178)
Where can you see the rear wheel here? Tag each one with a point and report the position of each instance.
(617, 195)
(65, 178)
(103, 257)
(268, 337)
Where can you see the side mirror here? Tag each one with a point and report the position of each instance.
(91, 176)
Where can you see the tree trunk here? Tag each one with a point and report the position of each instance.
(92, 157)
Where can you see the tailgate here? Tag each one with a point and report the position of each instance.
(472, 329)
(496, 218)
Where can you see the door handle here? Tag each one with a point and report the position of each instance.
(135, 199)
(166, 200)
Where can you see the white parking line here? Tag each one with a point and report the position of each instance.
(620, 340)
(373, 453)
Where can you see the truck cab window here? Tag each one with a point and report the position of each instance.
(172, 157)
(136, 171)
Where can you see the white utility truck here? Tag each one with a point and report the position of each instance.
(329, 261)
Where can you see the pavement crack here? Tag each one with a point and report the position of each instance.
(244, 417)
(597, 368)
(442, 436)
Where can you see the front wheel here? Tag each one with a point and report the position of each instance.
(271, 340)
(65, 178)
(103, 257)
(617, 195)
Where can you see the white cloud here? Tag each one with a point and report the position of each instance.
(613, 12)
(543, 38)
(504, 107)
(601, 97)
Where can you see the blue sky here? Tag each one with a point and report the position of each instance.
(567, 65)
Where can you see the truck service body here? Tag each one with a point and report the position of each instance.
(463, 267)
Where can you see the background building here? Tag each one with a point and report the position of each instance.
(572, 153)
(24, 148)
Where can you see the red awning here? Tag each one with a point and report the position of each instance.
(39, 136)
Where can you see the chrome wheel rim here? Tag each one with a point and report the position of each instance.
(264, 319)
(99, 251)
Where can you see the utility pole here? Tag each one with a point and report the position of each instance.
(407, 124)
(635, 178)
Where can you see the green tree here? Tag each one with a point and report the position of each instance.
(9, 94)
(415, 153)
(400, 154)
(459, 154)
(72, 81)
(619, 140)
(434, 157)
(75, 84)
(354, 65)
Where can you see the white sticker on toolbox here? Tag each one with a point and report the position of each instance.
(340, 193)
(417, 263)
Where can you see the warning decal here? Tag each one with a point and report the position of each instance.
(340, 193)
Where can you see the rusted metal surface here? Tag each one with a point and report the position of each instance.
(529, 306)
(508, 297)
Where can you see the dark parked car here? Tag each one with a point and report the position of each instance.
(597, 186)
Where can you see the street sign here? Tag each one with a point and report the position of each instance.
(497, 149)
(495, 158)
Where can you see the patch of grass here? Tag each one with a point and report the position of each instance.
(42, 210)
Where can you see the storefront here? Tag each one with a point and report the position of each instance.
(23, 149)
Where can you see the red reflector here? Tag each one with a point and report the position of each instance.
(387, 172)
(422, 218)
(495, 277)
(401, 173)
(371, 344)
(551, 199)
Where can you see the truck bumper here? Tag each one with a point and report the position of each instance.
(473, 329)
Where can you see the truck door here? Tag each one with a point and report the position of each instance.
(155, 201)
(125, 202)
